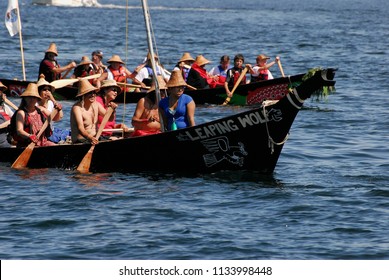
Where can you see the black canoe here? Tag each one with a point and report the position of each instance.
(249, 94)
(237, 142)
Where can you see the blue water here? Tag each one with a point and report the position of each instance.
(329, 195)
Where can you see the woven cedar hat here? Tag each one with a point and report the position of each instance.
(262, 56)
(32, 91)
(115, 58)
(201, 60)
(161, 84)
(176, 80)
(149, 56)
(84, 86)
(42, 82)
(85, 61)
(110, 83)
(53, 49)
(2, 87)
(186, 57)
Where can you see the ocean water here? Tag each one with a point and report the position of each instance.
(329, 195)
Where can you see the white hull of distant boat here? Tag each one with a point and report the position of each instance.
(68, 3)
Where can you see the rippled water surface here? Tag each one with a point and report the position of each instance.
(329, 195)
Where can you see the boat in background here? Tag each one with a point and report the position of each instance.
(249, 94)
(251, 140)
(68, 3)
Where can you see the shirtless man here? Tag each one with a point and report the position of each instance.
(84, 114)
(146, 118)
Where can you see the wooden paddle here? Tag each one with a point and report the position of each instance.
(84, 165)
(11, 104)
(66, 82)
(24, 157)
(66, 73)
(131, 85)
(228, 99)
(280, 66)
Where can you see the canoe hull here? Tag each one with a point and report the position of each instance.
(249, 94)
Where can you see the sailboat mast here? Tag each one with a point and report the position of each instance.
(146, 14)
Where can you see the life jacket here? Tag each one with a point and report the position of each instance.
(5, 116)
(222, 76)
(185, 72)
(119, 75)
(148, 81)
(235, 74)
(26, 127)
(263, 75)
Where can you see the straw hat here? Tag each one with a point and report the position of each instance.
(115, 58)
(262, 56)
(201, 60)
(42, 82)
(52, 48)
(176, 80)
(32, 91)
(186, 57)
(84, 87)
(2, 87)
(85, 61)
(110, 83)
(149, 56)
(161, 84)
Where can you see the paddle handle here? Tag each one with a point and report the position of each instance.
(66, 73)
(104, 122)
(236, 85)
(46, 123)
(281, 69)
(11, 104)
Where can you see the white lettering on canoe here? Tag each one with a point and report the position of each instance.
(212, 130)
(221, 128)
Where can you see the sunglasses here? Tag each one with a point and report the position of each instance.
(46, 89)
(114, 89)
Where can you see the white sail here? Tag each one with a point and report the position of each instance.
(68, 3)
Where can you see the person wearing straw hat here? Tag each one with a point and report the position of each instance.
(84, 114)
(178, 109)
(261, 72)
(184, 65)
(50, 67)
(116, 71)
(109, 90)
(29, 119)
(84, 68)
(146, 116)
(48, 102)
(144, 77)
(198, 76)
(5, 117)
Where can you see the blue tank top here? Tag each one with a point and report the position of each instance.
(179, 116)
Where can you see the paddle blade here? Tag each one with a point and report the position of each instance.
(63, 83)
(84, 165)
(24, 157)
